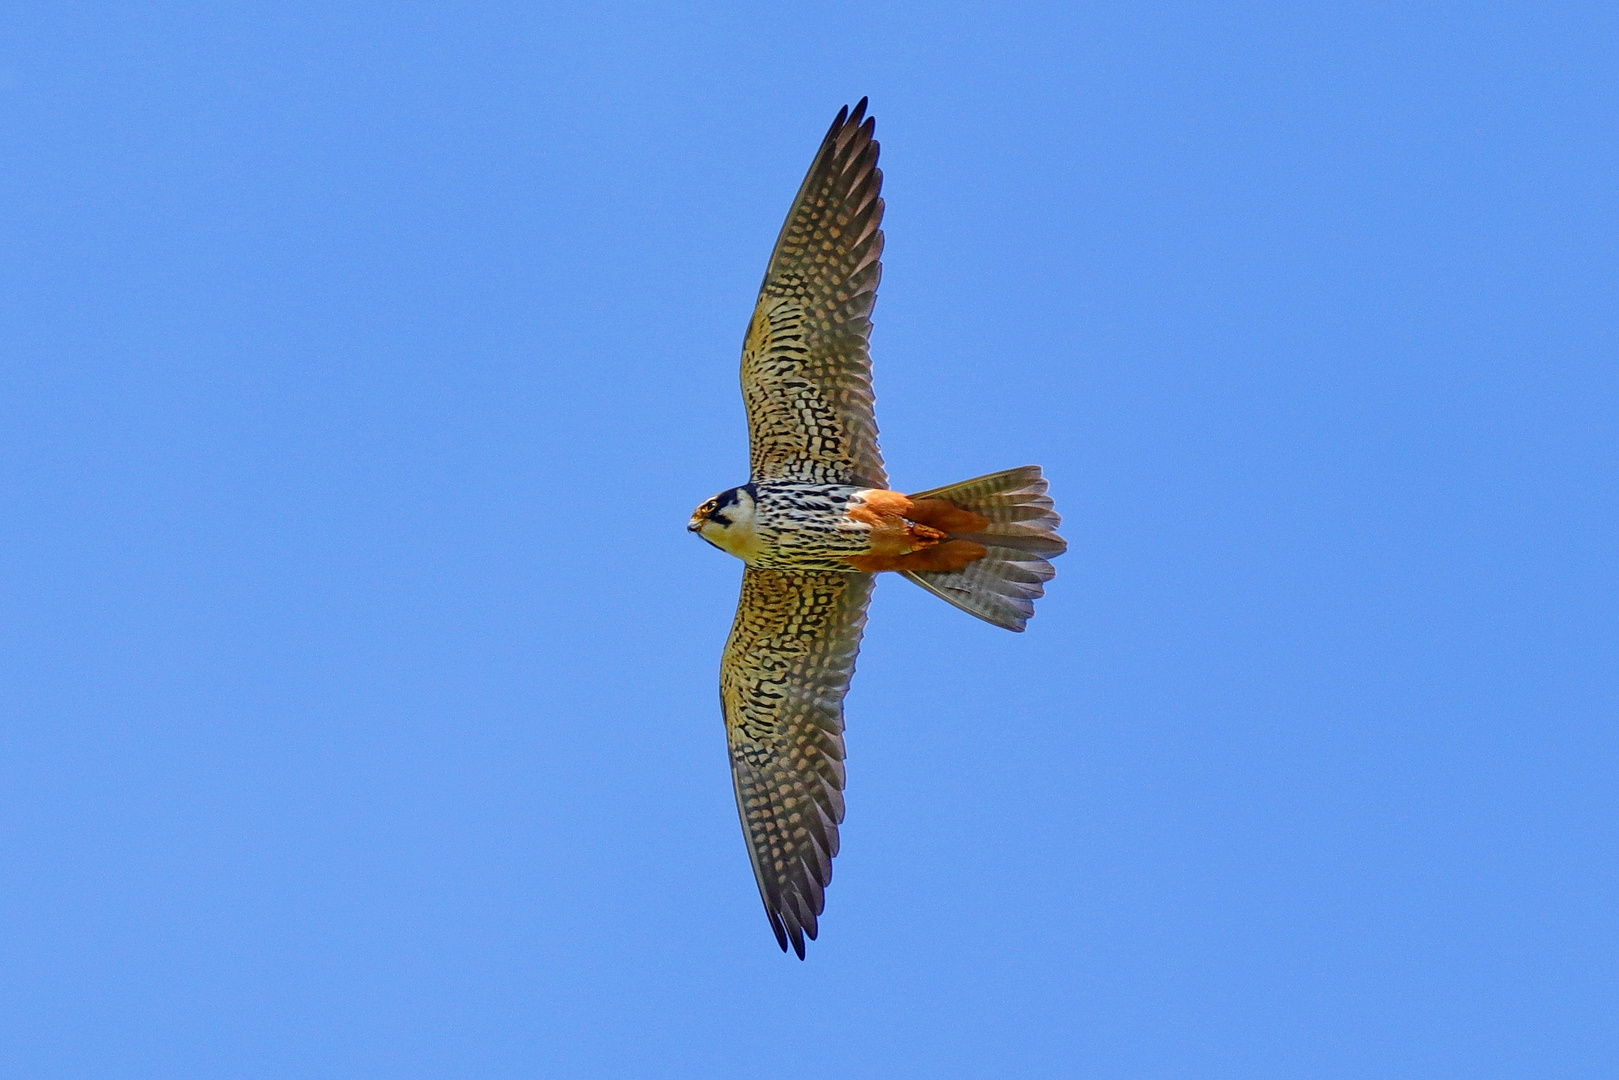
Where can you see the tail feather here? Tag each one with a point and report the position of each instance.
(1002, 586)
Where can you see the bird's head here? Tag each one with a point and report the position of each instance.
(726, 521)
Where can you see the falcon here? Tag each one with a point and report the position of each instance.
(817, 522)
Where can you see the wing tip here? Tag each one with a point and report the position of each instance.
(787, 931)
(854, 121)
(777, 927)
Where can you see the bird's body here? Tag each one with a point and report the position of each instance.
(793, 525)
(817, 522)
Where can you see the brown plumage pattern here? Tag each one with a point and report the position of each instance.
(806, 364)
(806, 384)
(785, 671)
(817, 502)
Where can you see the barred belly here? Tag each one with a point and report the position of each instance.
(801, 526)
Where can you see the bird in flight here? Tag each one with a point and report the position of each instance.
(816, 522)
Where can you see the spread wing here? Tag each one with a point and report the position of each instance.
(806, 365)
(787, 666)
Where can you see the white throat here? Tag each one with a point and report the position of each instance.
(736, 535)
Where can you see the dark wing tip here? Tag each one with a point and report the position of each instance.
(780, 930)
(789, 926)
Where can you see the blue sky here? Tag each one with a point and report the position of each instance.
(360, 365)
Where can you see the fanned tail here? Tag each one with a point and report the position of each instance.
(1021, 537)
